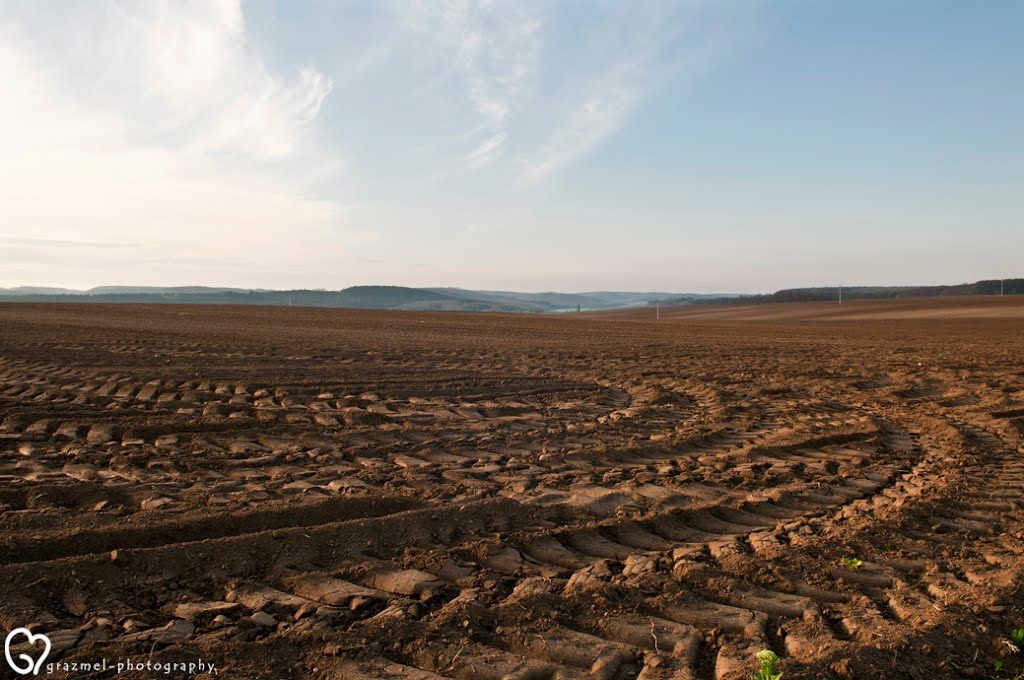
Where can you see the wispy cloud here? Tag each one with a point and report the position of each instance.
(642, 48)
(267, 144)
(598, 114)
(17, 240)
(170, 136)
(496, 48)
(488, 151)
(544, 86)
(209, 84)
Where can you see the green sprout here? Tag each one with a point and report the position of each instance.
(767, 659)
(997, 667)
(1017, 636)
(852, 563)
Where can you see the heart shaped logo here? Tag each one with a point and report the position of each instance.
(31, 666)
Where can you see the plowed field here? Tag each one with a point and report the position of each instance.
(311, 493)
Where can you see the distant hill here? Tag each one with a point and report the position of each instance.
(989, 287)
(359, 297)
(35, 290)
(459, 299)
(356, 297)
(696, 299)
(553, 302)
(160, 290)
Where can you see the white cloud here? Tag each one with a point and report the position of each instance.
(173, 130)
(173, 139)
(496, 48)
(209, 82)
(591, 120)
(643, 47)
(542, 85)
(488, 151)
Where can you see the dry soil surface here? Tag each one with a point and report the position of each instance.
(312, 493)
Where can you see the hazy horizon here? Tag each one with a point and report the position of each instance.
(742, 146)
(539, 291)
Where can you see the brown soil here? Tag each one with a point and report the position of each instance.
(303, 493)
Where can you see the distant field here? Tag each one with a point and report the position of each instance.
(974, 306)
(323, 493)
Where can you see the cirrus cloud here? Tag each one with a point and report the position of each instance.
(170, 134)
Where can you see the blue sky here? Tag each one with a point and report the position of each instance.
(739, 145)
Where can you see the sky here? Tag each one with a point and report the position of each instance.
(572, 145)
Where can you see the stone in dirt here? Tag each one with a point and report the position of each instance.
(173, 633)
(191, 611)
(407, 582)
(74, 601)
(264, 620)
(329, 590)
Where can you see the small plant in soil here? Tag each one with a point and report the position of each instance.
(767, 659)
(997, 668)
(1017, 637)
(852, 563)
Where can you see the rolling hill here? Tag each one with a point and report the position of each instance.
(459, 299)
(355, 297)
